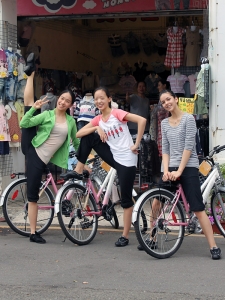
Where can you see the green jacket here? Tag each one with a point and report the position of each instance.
(46, 122)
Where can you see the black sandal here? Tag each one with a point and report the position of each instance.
(30, 67)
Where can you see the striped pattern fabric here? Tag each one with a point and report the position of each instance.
(175, 49)
(177, 139)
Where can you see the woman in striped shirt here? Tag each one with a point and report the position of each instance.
(180, 161)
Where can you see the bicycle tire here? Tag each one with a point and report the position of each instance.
(217, 211)
(79, 225)
(114, 221)
(162, 234)
(143, 225)
(15, 208)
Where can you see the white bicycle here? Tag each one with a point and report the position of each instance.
(88, 203)
(166, 222)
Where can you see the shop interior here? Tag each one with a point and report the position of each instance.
(116, 52)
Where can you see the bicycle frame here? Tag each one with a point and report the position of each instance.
(208, 184)
(206, 187)
(179, 193)
(108, 179)
(90, 188)
(43, 187)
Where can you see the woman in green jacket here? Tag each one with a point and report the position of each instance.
(51, 143)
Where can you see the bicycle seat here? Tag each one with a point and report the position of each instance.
(75, 175)
(166, 184)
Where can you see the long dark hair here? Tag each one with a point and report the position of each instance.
(72, 97)
(104, 89)
(169, 92)
(165, 82)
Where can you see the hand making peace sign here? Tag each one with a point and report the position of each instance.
(38, 104)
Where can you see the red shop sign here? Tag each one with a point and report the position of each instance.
(84, 7)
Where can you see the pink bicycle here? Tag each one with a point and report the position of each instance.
(90, 203)
(166, 221)
(168, 215)
(15, 204)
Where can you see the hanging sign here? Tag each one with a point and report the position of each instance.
(84, 7)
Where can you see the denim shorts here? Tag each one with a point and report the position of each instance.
(10, 87)
(2, 87)
(19, 90)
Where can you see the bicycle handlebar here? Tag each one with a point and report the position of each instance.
(216, 149)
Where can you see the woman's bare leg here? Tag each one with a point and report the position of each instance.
(29, 91)
(127, 215)
(206, 227)
(32, 214)
(79, 168)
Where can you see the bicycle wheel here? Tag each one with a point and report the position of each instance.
(143, 224)
(109, 211)
(75, 214)
(161, 240)
(15, 208)
(217, 210)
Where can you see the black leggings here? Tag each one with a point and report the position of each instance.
(125, 174)
(28, 133)
(35, 167)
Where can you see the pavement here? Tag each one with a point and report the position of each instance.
(99, 270)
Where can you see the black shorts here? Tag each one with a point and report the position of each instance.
(28, 133)
(191, 186)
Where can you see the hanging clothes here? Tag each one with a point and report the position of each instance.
(107, 78)
(90, 82)
(177, 83)
(153, 122)
(87, 109)
(21, 64)
(148, 44)
(4, 148)
(75, 109)
(162, 43)
(51, 104)
(193, 79)
(192, 50)
(14, 129)
(161, 115)
(123, 69)
(128, 83)
(132, 43)
(152, 83)
(114, 41)
(141, 71)
(19, 109)
(175, 51)
(4, 126)
(158, 67)
(3, 64)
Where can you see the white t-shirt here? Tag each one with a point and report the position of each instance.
(119, 138)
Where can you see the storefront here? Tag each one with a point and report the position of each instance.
(83, 43)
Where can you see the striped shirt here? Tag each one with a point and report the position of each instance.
(179, 138)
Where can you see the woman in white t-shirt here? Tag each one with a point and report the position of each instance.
(109, 136)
